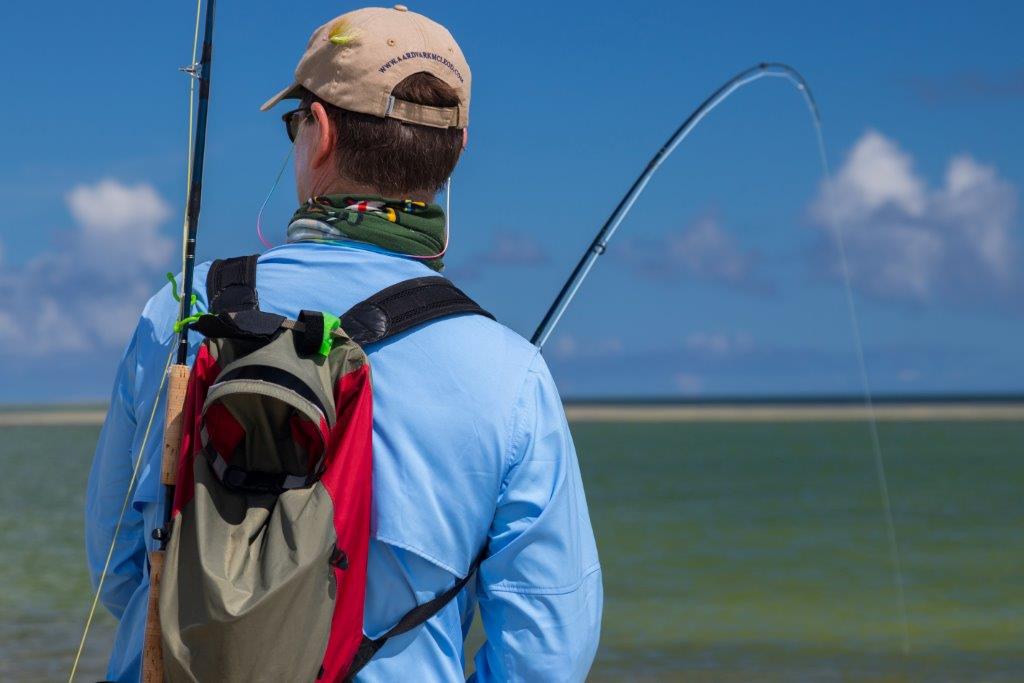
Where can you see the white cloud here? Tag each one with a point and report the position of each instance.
(908, 242)
(705, 249)
(513, 248)
(983, 207)
(121, 220)
(108, 207)
(85, 293)
(876, 174)
(567, 346)
(702, 250)
(718, 343)
(507, 248)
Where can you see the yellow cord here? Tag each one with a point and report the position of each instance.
(120, 518)
(167, 366)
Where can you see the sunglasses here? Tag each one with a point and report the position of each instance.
(293, 119)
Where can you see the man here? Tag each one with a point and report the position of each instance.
(470, 443)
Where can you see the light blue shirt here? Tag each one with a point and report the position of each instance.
(470, 446)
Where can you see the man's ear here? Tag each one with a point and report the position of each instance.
(325, 134)
(465, 138)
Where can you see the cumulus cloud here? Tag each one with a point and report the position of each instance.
(701, 251)
(513, 248)
(908, 242)
(109, 208)
(506, 248)
(85, 292)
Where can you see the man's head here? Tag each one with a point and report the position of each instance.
(384, 105)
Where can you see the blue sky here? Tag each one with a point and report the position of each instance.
(723, 279)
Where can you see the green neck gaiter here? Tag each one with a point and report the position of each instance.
(400, 225)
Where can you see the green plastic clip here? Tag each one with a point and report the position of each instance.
(179, 325)
(331, 323)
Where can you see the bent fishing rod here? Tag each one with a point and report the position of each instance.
(600, 242)
(599, 245)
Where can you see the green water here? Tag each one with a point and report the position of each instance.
(731, 552)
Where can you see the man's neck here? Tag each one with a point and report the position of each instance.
(349, 188)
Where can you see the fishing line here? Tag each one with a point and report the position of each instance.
(447, 225)
(600, 244)
(447, 213)
(273, 188)
(120, 517)
(129, 494)
(883, 483)
(191, 71)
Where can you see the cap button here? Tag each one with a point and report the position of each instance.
(401, 8)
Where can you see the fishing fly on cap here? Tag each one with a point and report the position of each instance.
(342, 33)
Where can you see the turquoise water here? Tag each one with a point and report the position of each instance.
(46, 590)
(731, 552)
(740, 552)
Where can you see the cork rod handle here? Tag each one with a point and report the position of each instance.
(176, 390)
(152, 648)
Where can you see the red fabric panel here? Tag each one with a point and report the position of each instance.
(310, 437)
(204, 372)
(224, 430)
(348, 480)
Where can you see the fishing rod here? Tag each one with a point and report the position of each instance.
(600, 242)
(599, 245)
(175, 377)
(152, 652)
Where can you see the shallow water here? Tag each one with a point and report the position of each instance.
(731, 552)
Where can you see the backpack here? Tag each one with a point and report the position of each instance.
(265, 571)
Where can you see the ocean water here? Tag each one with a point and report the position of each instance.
(731, 552)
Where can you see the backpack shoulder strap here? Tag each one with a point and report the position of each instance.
(231, 285)
(404, 306)
(231, 288)
(368, 647)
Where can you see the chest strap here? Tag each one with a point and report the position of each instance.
(368, 647)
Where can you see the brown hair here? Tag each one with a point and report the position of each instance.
(397, 158)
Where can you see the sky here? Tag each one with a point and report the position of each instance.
(725, 280)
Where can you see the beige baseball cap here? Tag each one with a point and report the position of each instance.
(355, 61)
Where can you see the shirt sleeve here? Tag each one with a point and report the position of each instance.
(540, 587)
(106, 494)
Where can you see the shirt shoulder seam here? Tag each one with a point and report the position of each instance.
(516, 419)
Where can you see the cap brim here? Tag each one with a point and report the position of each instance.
(289, 93)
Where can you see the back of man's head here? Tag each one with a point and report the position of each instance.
(395, 158)
(394, 90)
